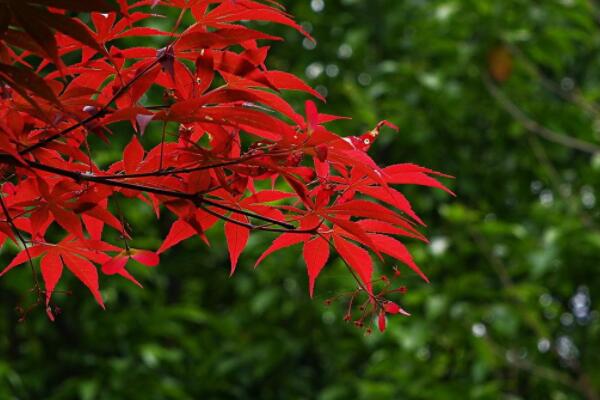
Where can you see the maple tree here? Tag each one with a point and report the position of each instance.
(232, 149)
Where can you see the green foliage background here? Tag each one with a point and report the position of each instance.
(512, 310)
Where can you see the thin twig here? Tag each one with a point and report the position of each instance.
(574, 95)
(16, 231)
(535, 127)
(194, 197)
(170, 172)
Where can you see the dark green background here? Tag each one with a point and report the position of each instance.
(512, 310)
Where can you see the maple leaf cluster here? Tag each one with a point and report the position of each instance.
(232, 149)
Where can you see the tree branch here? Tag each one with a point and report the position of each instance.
(197, 199)
(167, 172)
(535, 127)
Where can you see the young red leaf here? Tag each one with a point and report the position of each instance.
(51, 267)
(115, 265)
(23, 256)
(416, 178)
(86, 272)
(312, 116)
(94, 226)
(283, 241)
(357, 232)
(373, 226)
(285, 80)
(145, 257)
(180, 230)
(390, 196)
(396, 249)
(367, 209)
(237, 237)
(67, 220)
(316, 254)
(357, 258)
(133, 155)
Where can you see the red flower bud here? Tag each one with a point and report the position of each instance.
(381, 321)
(392, 308)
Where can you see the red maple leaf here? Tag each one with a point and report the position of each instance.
(235, 152)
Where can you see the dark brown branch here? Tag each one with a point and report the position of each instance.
(168, 172)
(197, 199)
(258, 227)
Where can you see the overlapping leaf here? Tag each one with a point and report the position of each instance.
(236, 152)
